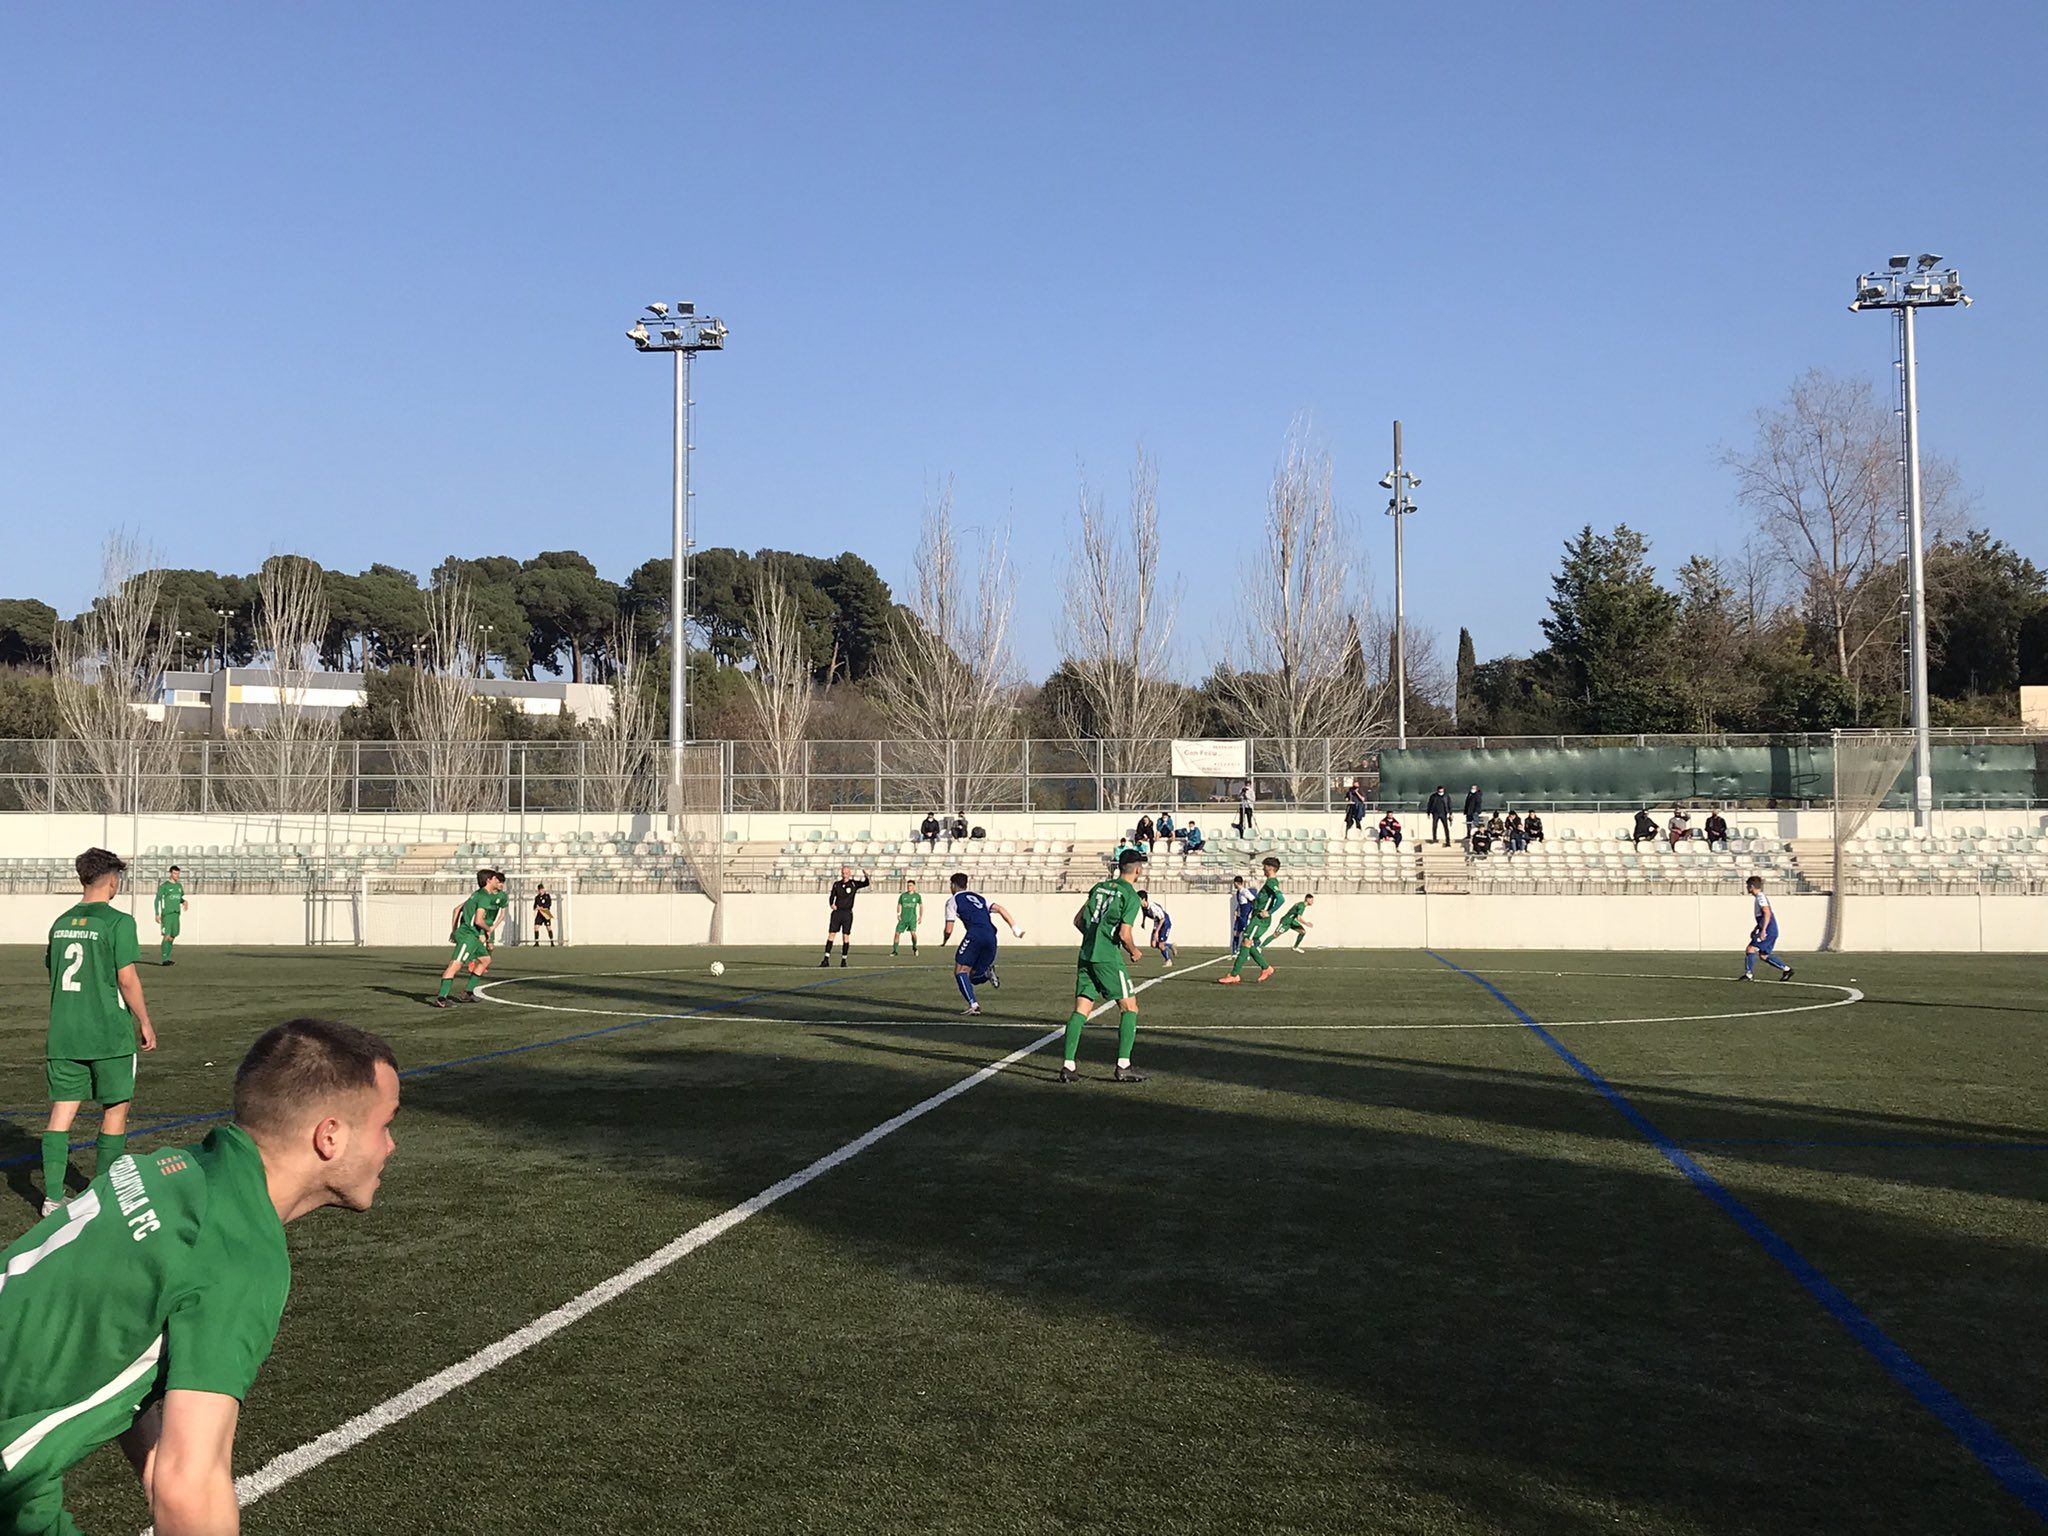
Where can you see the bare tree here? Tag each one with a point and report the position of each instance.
(1299, 675)
(1823, 479)
(946, 679)
(780, 695)
(1115, 704)
(108, 668)
(621, 751)
(445, 760)
(283, 760)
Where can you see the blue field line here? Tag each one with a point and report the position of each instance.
(1997, 1455)
(1877, 1146)
(26, 1158)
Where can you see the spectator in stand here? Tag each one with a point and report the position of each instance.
(1645, 830)
(929, 828)
(1680, 827)
(1717, 831)
(1145, 836)
(1475, 807)
(1532, 828)
(1163, 823)
(1478, 841)
(1439, 809)
(1246, 798)
(1516, 841)
(958, 831)
(1390, 827)
(1495, 827)
(1354, 808)
(1190, 841)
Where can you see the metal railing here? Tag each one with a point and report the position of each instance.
(204, 776)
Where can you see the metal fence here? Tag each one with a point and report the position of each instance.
(201, 776)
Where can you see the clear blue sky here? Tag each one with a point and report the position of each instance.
(353, 280)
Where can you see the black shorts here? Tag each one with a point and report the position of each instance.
(543, 919)
(842, 922)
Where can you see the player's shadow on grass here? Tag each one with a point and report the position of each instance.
(24, 1151)
(1513, 1301)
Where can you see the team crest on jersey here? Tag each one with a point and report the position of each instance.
(172, 1162)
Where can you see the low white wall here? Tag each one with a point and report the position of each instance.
(1702, 922)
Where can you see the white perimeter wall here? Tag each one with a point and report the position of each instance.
(1672, 922)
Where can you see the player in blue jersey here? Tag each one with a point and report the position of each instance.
(1162, 925)
(1240, 910)
(1763, 938)
(974, 962)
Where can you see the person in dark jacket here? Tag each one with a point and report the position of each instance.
(1645, 829)
(1475, 808)
(1439, 809)
(929, 829)
(1354, 807)
(1717, 831)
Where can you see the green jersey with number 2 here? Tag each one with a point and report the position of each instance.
(88, 947)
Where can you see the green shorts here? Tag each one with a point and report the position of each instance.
(35, 1508)
(169, 923)
(470, 947)
(906, 927)
(1293, 925)
(109, 1080)
(1102, 981)
(1256, 931)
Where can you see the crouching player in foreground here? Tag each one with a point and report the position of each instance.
(143, 1310)
(974, 962)
(1105, 925)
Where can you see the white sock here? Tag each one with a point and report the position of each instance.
(1070, 1063)
(1123, 1063)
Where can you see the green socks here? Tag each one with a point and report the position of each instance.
(56, 1163)
(108, 1147)
(167, 949)
(1126, 1036)
(447, 985)
(1075, 1024)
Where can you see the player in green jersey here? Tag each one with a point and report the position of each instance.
(1295, 921)
(96, 1016)
(470, 933)
(144, 1309)
(1258, 921)
(909, 904)
(1106, 923)
(170, 912)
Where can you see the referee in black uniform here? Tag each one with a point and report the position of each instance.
(844, 889)
(544, 915)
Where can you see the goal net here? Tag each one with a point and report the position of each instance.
(1867, 768)
(400, 911)
(695, 798)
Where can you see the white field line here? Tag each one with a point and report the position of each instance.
(1849, 997)
(346, 1437)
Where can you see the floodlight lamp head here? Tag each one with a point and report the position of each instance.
(1927, 261)
(657, 310)
(1900, 263)
(1415, 482)
(685, 309)
(671, 333)
(638, 336)
(1386, 482)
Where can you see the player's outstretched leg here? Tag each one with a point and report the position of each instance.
(965, 982)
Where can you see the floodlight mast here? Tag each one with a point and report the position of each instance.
(1904, 292)
(683, 333)
(1400, 482)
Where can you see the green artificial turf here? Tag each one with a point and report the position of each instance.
(1408, 1278)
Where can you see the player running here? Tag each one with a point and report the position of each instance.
(96, 1016)
(170, 911)
(909, 904)
(1104, 923)
(1257, 919)
(1162, 925)
(1240, 910)
(844, 889)
(974, 962)
(1763, 938)
(544, 915)
(471, 936)
(1295, 920)
(143, 1311)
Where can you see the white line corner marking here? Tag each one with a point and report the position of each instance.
(346, 1437)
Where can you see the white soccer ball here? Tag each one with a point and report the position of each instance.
(718, 967)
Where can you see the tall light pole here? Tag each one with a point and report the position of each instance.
(684, 333)
(1400, 482)
(1904, 287)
